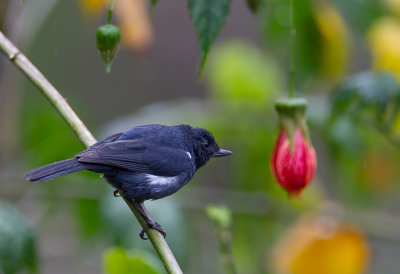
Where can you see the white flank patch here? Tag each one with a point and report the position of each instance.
(190, 156)
(160, 180)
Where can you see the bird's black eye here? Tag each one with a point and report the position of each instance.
(205, 143)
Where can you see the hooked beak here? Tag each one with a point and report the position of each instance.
(222, 152)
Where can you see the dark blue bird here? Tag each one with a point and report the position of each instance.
(145, 162)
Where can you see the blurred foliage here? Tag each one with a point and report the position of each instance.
(222, 216)
(89, 217)
(153, 3)
(120, 261)
(361, 14)
(393, 6)
(256, 5)
(369, 97)
(239, 72)
(44, 135)
(17, 242)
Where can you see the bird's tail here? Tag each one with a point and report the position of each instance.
(54, 170)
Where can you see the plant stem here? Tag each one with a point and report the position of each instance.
(84, 135)
(110, 11)
(159, 243)
(292, 49)
(224, 238)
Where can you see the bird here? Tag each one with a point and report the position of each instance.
(146, 162)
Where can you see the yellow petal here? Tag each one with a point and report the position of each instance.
(133, 17)
(384, 41)
(92, 8)
(334, 39)
(321, 245)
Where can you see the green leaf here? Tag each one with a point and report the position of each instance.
(361, 14)
(120, 261)
(221, 215)
(17, 242)
(208, 17)
(369, 96)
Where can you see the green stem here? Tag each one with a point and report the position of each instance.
(224, 238)
(159, 243)
(84, 135)
(110, 11)
(292, 49)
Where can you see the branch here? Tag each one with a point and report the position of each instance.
(84, 135)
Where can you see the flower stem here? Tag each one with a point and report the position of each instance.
(292, 49)
(224, 239)
(110, 11)
(84, 135)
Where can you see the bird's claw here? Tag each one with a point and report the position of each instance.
(116, 193)
(154, 226)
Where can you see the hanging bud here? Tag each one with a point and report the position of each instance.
(108, 37)
(294, 160)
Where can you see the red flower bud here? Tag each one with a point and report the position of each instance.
(293, 163)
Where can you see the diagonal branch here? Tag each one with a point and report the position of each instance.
(84, 135)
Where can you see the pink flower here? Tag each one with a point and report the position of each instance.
(293, 166)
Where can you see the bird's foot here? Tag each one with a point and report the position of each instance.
(116, 193)
(153, 225)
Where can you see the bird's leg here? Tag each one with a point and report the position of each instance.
(116, 192)
(149, 222)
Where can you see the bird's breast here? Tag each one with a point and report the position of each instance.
(161, 180)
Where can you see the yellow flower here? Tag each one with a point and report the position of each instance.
(384, 41)
(92, 8)
(334, 39)
(133, 17)
(321, 245)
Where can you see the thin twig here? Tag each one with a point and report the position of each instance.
(84, 135)
(224, 239)
(110, 11)
(292, 50)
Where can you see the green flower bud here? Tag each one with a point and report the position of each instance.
(108, 37)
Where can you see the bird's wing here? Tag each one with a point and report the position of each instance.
(100, 143)
(137, 156)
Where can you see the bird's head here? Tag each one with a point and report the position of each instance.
(205, 147)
